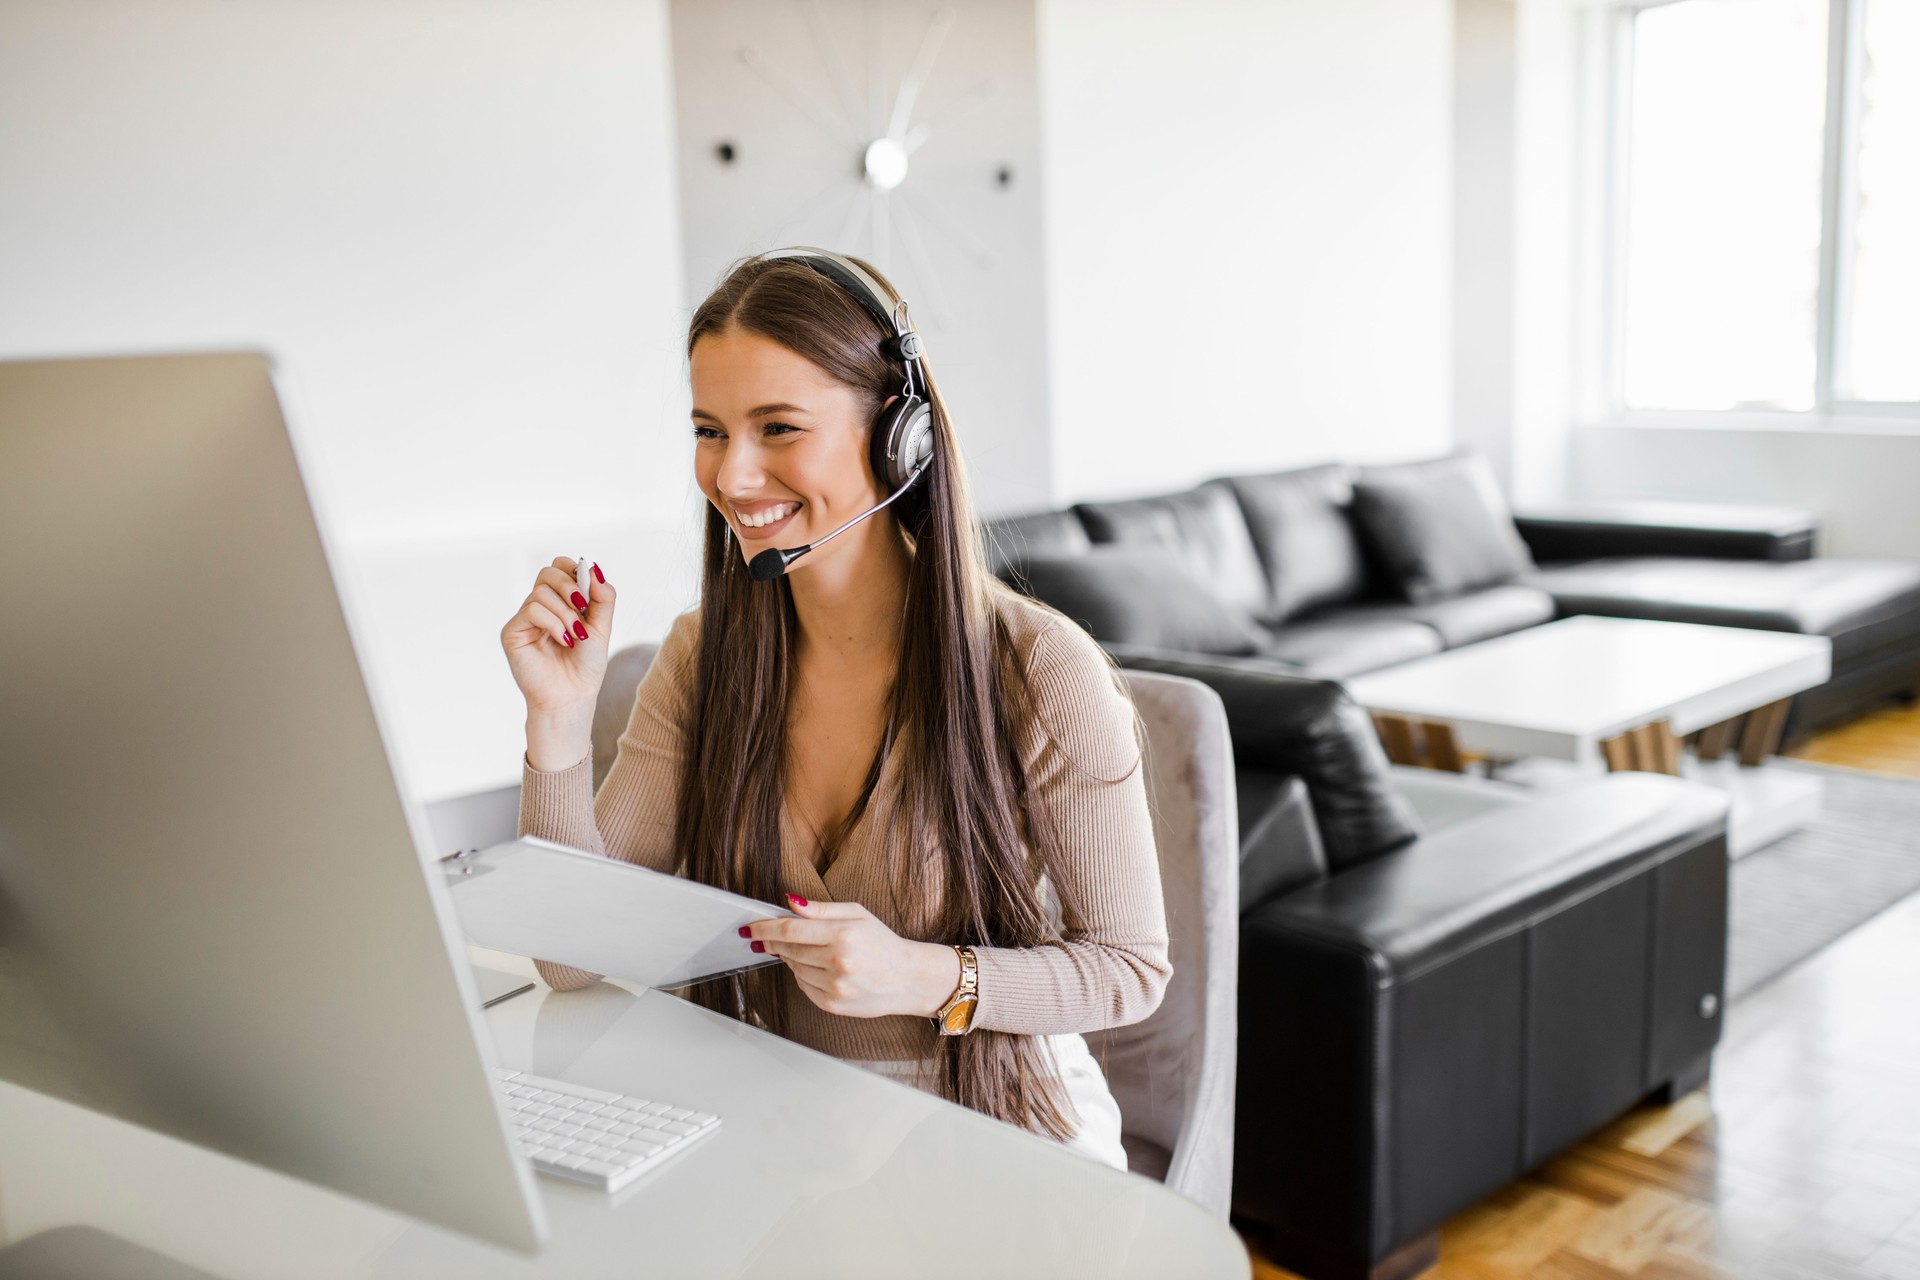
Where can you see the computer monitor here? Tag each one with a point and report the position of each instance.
(220, 914)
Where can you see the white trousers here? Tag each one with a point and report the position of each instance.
(1098, 1137)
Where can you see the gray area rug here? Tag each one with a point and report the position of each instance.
(1792, 897)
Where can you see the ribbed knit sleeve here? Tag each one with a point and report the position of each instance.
(1086, 780)
(632, 816)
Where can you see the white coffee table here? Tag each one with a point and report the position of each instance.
(1560, 691)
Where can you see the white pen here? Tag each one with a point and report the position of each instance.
(582, 577)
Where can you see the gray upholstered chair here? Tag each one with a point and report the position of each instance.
(1173, 1072)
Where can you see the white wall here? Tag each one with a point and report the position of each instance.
(1247, 236)
(453, 223)
(1860, 483)
(1485, 205)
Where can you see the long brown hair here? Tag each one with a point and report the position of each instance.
(961, 834)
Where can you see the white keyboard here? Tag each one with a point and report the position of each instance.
(603, 1139)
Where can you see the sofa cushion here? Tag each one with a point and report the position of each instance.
(1302, 526)
(1280, 847)
(1204, 527)
(1337, 646)
(1863, 603)
(1479, 614)
(1143, 596)
(1285, 724)
(1440, 526)
(1011, 539)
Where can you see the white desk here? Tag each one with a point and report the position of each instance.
(818, 1169)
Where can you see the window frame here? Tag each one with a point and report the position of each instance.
(1830, 411)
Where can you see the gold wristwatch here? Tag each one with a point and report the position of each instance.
(955, 1017)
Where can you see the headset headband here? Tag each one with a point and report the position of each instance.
(904, 345)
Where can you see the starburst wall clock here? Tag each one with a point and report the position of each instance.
(907, 134)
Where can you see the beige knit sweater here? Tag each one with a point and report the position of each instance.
(1110, 968)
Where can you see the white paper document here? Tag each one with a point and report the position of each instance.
(531, 897)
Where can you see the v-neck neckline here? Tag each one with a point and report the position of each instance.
(799, 843)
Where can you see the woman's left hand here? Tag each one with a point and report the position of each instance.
(849, 963)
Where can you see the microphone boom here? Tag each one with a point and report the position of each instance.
(773, 562)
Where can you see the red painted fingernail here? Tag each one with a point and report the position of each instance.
(796, 900)
(759, 946)
(746, 931)
(580, 629)
(567, 638)
(579, 601)
(597, 575)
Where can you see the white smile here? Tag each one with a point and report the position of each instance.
(769, 516)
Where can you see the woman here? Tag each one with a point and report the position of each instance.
(939, 776)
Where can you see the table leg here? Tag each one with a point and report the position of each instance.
(1649, 748)
(1443, 749)
(1712, 742)
(1760, 737)
(1428, 743)
(1396, 735)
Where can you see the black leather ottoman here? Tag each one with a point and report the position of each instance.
(1868, 606)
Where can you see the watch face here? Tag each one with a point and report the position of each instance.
(959, 1016)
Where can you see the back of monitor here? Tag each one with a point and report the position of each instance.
(215, 918)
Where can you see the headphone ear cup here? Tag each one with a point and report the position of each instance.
(902, 439)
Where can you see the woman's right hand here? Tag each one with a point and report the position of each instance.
(556, 650)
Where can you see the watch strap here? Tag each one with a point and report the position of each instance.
(966, 993)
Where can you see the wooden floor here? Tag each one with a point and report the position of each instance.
(1799, 1159)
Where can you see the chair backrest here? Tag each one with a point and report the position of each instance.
(615, 705)
(1173, 1072)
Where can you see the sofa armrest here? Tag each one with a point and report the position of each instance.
(1452, 891)
(1284, 722)
(1584, 531)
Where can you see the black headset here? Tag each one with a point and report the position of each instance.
(900, 446)
(902, 439)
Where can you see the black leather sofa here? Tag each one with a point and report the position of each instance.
(1335, 570)
(1425, 1015)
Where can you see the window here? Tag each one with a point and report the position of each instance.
(1880, 327)
(1767, 207)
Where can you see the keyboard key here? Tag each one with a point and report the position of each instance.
(582, 1091)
